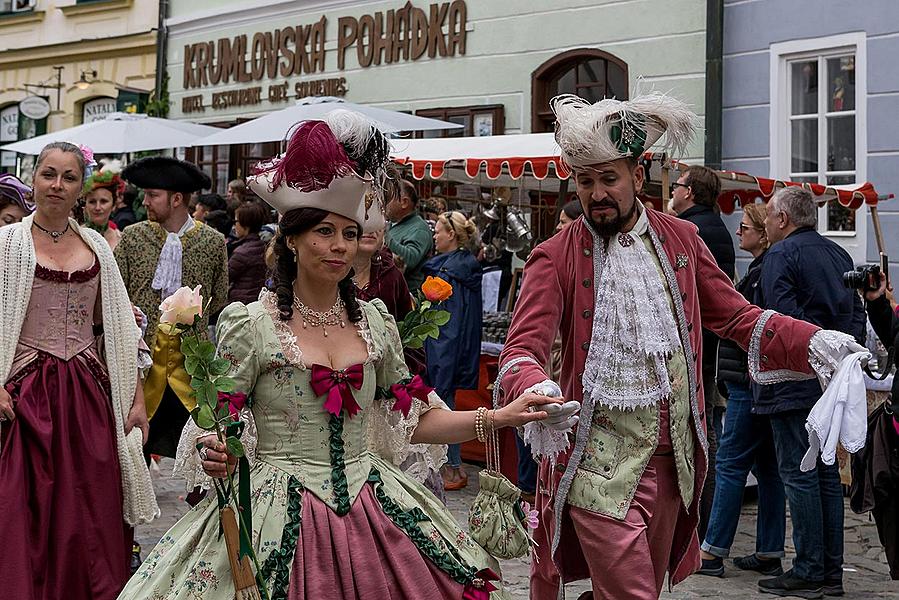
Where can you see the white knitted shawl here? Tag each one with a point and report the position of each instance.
(17, 265)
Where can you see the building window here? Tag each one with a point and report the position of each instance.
(476, 121)
(14, 6)
(589, 73)
(818, 120)
(214, 161)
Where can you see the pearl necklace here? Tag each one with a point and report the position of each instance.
(329, 318)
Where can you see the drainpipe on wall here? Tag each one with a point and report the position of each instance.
(161, 39)
(714, 81)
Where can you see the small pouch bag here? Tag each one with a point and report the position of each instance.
(496, 519)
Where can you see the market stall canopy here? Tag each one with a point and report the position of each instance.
(740, 188)
(534, 154)
(532, 161)
(275, 126)
(119, 133)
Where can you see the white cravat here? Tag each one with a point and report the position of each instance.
(634, 332)
(167, 278)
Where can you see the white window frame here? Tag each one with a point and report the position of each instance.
(781, 55)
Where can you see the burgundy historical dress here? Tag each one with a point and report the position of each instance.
(62, 531)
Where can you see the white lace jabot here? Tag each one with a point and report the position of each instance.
(634, 331)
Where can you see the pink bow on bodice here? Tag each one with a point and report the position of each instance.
(336, 384)
(404, 393)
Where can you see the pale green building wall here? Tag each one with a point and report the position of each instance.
(662, 41)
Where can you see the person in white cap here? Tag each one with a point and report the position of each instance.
(632, 290)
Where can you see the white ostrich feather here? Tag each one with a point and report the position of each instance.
(583, 130)
(351, 129)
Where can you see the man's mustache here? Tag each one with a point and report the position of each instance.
(603, 204)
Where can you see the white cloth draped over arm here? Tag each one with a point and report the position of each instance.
(840, 416)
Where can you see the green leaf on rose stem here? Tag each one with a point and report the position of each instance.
(189, 345)
(207, 350)
(196, 382)
(422, 330)
(205, 418)
(224, 384)
(191, 363)
(434, 331)
(223, 413)
(425, 306)
(207, 394)
(414, 344)
(440, 317)
(219, 366)
(234, 446)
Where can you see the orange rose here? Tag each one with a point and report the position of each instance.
(436, 289)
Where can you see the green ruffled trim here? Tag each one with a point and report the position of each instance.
(276, 567)
(449, 562)
(338, 466)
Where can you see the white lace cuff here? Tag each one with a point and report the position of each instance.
(187, 459)
(543, 441)
(828, 348)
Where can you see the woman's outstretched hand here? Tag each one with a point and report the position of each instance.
(525, 409)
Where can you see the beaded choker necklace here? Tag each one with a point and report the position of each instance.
(53, 234)
(329, 318)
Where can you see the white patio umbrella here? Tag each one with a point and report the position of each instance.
(119, 133)
(275, 126)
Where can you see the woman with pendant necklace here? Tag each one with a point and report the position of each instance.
(332, 413)
(72, 417)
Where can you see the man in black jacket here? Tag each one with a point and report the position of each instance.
(802, 278)
(694, 197)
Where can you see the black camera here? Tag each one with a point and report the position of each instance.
(865, 278)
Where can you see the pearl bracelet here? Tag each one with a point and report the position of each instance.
(479, 428)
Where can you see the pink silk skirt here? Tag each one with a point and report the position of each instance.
(361, 556)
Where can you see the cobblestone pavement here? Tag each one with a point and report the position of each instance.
(865, 569)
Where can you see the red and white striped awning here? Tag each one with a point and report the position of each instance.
(502, 158)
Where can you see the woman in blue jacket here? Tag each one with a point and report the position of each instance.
(453, 357)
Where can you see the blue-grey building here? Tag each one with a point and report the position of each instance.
(811, 93)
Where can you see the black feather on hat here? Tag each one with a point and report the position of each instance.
(166, 173)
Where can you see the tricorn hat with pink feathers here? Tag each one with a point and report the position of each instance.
(338, 164)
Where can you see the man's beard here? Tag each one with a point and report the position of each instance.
(607, 228)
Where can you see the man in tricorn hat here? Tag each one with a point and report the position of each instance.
(157, 257)
(632, 290)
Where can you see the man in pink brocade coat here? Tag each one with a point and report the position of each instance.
(631, 290)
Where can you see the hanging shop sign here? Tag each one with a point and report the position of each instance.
(34, 107)
(97, 109)
(406, 34)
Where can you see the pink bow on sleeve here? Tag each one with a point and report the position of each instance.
(404, 393)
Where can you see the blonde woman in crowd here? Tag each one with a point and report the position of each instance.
(746, 442)
(453, 357)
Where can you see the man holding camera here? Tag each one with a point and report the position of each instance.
(802, 276)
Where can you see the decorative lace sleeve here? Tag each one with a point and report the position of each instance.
(187, 458)
(236, 333)
(390, 429)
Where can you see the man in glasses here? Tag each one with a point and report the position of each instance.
(631, 289)
(694, 198)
